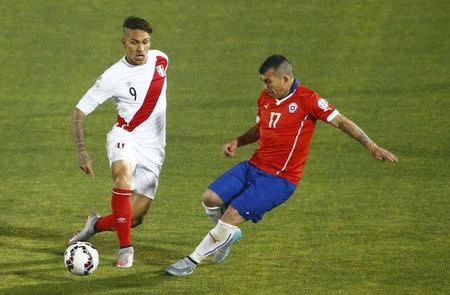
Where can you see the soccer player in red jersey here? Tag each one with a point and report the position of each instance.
(287, 115)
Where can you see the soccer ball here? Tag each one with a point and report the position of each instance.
(81, 258)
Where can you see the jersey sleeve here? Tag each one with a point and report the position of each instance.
(258, 114)
(102, 89)
(321, 109)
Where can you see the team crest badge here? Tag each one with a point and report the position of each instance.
(161, 71)
(323, 105)
(292, 107)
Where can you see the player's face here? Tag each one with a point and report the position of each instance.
(276, 85)
(136, 44)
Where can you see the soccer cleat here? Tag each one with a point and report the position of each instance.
(182, 267)
(126, 256)
(222, 253)
(87, 232)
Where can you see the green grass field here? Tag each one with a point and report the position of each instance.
(354, 226)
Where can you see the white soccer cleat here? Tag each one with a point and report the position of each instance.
(87, 232)
(126, 256)
(182, 267)
(221, 254)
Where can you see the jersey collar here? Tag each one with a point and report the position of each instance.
(291, 92)
(125, 61)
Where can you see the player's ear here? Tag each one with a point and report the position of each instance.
(123, 42)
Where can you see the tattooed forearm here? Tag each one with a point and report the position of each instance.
(251, 136)
(354, 131)
(78, 130)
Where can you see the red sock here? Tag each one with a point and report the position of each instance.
(106, 223)
(121, 208)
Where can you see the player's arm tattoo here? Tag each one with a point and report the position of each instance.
(354, 131)
(251, 136)
(78, 130)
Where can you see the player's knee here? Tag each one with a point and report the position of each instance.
(122, 181)
(211, 199)
(122, 174)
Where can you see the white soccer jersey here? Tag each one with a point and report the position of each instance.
(140, 95)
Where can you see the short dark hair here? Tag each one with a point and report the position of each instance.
(137, 23)
(278, 63)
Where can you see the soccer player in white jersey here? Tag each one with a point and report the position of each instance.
(137, 84)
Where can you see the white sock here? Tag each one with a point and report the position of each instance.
(214, 213)
(213, 240)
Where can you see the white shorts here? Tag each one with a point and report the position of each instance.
(145, 161)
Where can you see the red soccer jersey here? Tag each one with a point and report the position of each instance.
(286, 127)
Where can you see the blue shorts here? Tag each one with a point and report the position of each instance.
(252, 191)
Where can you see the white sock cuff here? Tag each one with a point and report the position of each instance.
(226, 226)
(207, 208)
(214, 213)
(213, 240)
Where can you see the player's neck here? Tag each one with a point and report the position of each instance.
(129, 61)
(293, 85)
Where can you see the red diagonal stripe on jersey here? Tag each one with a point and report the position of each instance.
(151, 98)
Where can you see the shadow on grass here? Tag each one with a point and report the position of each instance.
(48, 276)
(38, 265)
(34, 233)
(68, 284)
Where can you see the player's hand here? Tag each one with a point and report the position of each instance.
(229, 148)
(381, 154)
(85, 163)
